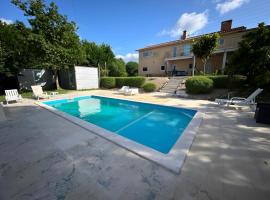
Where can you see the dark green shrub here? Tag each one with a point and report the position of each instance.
(135, 81)
(120, 81)
(199, 85)
(132, 68)
(107, 82)
(237, 81)
(224, 81)
(149, 87)
(221, 81)
(130, 81)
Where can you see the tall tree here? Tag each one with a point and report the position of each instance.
(2, 59)
(16, 48)
(59, 45)
(98, 55)
(117, 68)
(252, 59)
(132, 68)
(90, 53)
(204, 47)
(106, 57)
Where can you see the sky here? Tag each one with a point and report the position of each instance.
(127, 25)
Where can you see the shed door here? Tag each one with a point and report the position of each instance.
(86, 77)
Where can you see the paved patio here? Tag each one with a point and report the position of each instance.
(43, 156)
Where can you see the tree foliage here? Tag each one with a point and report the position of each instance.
(132, 68)
(117, 68)
(50, 42)
(252, 59)
(57, 42)
(96, 55)
(204, 47)
(16, 48)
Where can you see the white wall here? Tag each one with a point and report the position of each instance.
(86, 77)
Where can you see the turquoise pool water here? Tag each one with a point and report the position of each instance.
(155, 126)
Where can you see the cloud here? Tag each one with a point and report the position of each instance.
(129, 57)
(7, 21)
(192, 22)
(229, 5)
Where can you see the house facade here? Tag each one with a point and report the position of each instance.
(176, 57)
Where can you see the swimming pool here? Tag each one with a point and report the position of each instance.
(147, 129)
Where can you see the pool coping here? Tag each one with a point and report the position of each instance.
(172, 161)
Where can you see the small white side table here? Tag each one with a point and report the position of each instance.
(54, 93)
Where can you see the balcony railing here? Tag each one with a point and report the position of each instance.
(178, 54)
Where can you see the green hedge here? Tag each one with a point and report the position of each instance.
(149, 87)
(220, 81)
(199, 85)
(107, 82)
(130, 81)
(112, 82)
(224, 81)
(238, 81)
(120, 81)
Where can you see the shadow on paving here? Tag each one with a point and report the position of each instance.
(43, 156)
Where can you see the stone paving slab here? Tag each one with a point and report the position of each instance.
(43, 156)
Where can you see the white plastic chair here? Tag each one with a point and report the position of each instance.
(38, 92)
(12, 95)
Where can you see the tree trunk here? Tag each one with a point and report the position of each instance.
(56, 79)
(204, 64)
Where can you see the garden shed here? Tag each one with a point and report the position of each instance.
(79, 78)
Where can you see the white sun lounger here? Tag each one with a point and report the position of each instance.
(240, 100)
(132, 91)
(123, 89)
(38, 92)
(12, 95)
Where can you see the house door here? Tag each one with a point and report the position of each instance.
(173, 69)
(208, 67)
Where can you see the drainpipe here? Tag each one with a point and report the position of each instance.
(224, 62)
(193, 65)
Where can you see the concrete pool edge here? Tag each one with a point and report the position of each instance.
(173, 161)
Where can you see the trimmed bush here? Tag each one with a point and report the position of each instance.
(107, 82)
(224, 81)
(135, 81)
(199, 85)
(238, 81)
(120, 81)
(130, 81)
(221, 81)
(149, 87)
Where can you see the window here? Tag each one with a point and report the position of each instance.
(221, 41)
(190, 66)
(174, 51)
(145, 69)
(147, 53)
(162, 68)
(186, 49)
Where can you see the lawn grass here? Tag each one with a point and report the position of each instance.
(30, 94)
